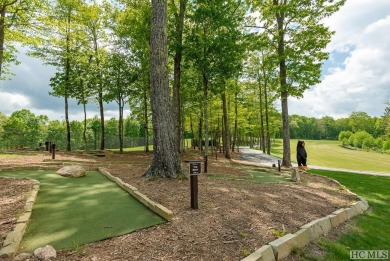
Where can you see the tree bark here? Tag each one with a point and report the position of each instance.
(66, 85)
(283, 86)
(166, 160)
(2, 36)
(146, 129)
(235, 120)
(102, 144)
(85, 125)
(206, 122)
(226, 136)
(262, 136)
(177, 72)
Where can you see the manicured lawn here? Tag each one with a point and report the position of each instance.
(331, 154)
(372, 229)
(70, 212)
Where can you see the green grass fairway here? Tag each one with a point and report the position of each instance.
(330, 154)
(70, 212)
(372, 228)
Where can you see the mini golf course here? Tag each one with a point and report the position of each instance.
(70, 212)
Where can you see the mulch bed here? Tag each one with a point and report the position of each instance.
(235, 217)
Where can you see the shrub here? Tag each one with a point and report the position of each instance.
(378, 144)
(359, 137)
(386, 146)
(344, 135)
(368, 143)
(344, 142)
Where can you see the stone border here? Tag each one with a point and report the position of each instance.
(282, 247)
(155, 207)
(13, 239)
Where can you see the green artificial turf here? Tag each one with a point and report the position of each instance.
(70, 212)
(371, 231)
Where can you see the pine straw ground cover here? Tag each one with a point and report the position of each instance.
(235, 217)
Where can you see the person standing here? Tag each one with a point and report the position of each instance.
(301, 155)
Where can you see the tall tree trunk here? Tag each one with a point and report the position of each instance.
(67, 84)
(177, 71)
(283, 87)
(85, 125)
(101, 109)
(166, 160)
(261, 117)
(192, 133)
(200, 134)
(267, 118)
(146, 121)
(120, 124)
(235, 120)
(226, 136)
(206, 121)
(2, 36)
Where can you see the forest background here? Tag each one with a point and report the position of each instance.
(225, 67)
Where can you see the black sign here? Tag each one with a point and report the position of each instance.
(195, 168)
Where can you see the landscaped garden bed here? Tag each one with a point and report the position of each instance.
(235, 216)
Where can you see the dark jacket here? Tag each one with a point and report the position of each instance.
(301, 153)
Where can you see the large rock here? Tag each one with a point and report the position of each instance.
(295, 175)
(45, 253)
(71, 171)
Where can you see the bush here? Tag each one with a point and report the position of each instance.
(351, 140)
(344, 142)
(386, 146)
(344, 135)
(378, 144)
(359, 137)
(368, 143)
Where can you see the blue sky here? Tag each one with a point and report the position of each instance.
(355, 78)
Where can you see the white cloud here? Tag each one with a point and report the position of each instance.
(362, 81)
(10, 102)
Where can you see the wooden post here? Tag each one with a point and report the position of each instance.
(205, 163)
(194, 191)
(53, 151)
(195, 170)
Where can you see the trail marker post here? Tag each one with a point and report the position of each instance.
(195, 171)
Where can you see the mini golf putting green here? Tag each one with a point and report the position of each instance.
(70, 212)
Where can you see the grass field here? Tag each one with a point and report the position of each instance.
(330, 154)
(371, 230)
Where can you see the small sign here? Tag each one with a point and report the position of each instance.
(195, 168)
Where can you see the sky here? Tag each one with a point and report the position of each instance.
(355, 78)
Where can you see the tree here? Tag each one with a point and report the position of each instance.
(58, 45)
(17, 17)
(132, 25)
(23, 128)
(216, 30)
(299, 37)
(166, 160)
(178, 54)
(94, 19)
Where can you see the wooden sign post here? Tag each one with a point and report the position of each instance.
(195, 171)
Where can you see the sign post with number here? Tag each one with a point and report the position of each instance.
(195, 171)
